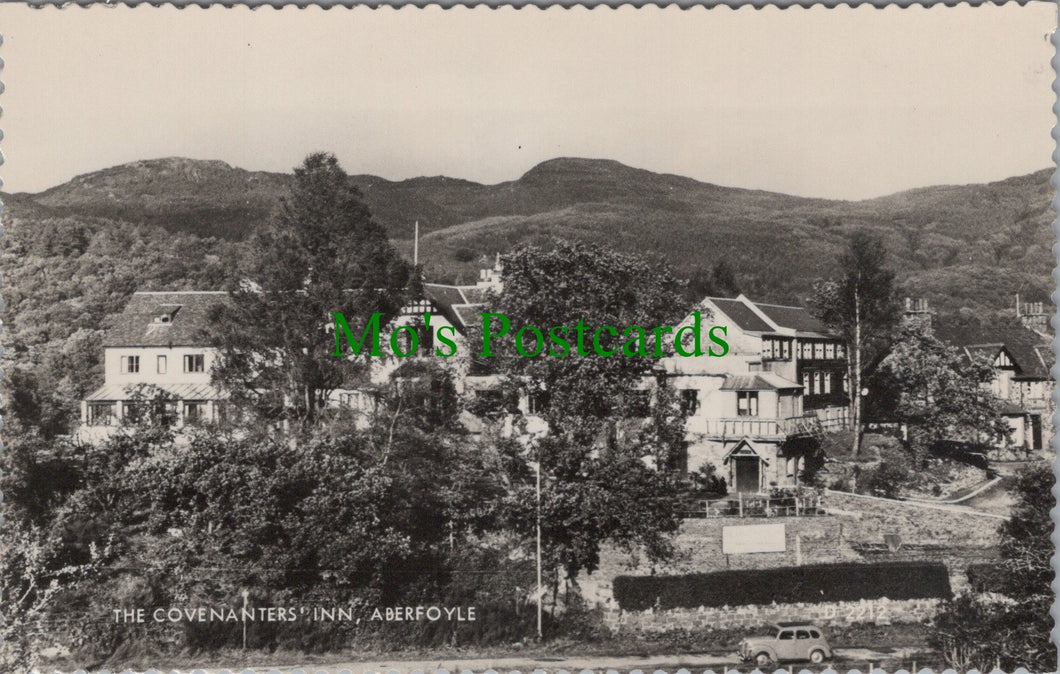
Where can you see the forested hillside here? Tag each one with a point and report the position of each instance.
(72, 254)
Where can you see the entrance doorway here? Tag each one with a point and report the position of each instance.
(748, 474)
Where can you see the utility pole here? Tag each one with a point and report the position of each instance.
(540, 591)
(416, 246)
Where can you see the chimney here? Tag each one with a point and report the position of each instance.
(918, 315)
(1034, 316)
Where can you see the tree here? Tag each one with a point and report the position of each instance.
(938, 393)
(861, 306)
(724, 278)
(595, 459)
(322, 253)
(719, 280)
(1009, 628)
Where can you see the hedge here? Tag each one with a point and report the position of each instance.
(788, 585)
(987, 577)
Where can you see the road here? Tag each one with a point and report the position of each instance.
(847, 658)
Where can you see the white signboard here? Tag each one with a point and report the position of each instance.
(753, 538)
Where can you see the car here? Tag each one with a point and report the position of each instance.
(790, 641)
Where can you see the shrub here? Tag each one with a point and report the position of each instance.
(802, 584)
(894, 471)
(464, 255)
(986, 577)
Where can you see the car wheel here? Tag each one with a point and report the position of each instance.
(763, 659)
(817, 656)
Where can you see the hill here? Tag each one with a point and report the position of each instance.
(967, 246)
(73, 254)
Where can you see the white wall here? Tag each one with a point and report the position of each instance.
(148, 373)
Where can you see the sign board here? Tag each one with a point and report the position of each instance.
(753, 538)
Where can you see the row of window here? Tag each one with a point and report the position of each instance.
(102, 413)
(193, 362)
(821, 351)
(820, 382)
(777, 348)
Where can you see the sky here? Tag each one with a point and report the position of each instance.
(839, 103)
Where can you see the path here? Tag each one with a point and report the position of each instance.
(720, 662)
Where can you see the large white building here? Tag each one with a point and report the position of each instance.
(755, 412)
(156, 349)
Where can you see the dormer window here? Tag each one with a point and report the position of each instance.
(167, 313)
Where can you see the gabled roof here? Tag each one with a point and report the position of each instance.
(163, 319)
(741, 315)
(757, 381)
(1029, 351)
(759, 317)
(743, 448)
(798, 319)
(459, 304)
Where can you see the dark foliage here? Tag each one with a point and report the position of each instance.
(1011, 630)
(800, 584)
(323, 253)
(598, 486)
(986, 577)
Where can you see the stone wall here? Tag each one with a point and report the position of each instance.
(878, 611)
(809, 540)
(854, 531)
(868, 519)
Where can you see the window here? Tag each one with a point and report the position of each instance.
(679, 459)
(814, 634)
(426, 341)
(802, 634)
(194, 362)
(537, 402)
(747, 403)
(818, 350)
(840, 351)
(161, 365)
(194, 412)
(100, 414)
(132, 413)
(829, 351)
(776, 349)
(818, 382)
(827, 376)
(786, 634)
(130, 364)
(689, 401)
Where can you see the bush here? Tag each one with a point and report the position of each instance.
(464, 255)
(787, 585)
(986, 577)
(889, 476)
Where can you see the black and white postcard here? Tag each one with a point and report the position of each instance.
(541, 339)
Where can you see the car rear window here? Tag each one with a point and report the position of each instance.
(814, 634)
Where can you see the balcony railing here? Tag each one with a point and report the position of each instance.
(754, 426)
